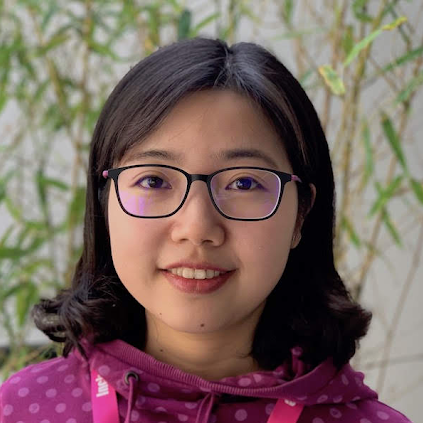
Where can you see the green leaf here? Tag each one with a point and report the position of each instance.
(77, 207)
(102, 50)
(3, 98)
(287, 11)
(24, 234)
(385, 194)
(390, 227)
(13, 210)
(6, 235)
(29, 269)
(10, 292)
(246, 11)
(303, 78)
(176, 6)
(358, 7)
(361, 45)
(25, 299)
(52, 10)
(184, 24)
(332, 79)
(411, 86)
(36, 244)
(367, 40)
(2, 189)
(12, 253)
(396, 23)
(411, 55)
(417, 188)
(50, 182)
(55, 41)
(300, 33)
(41, 89)
(203, 23)
(392, 137)
(33, 224)
(41, 189)
(351, 232)
(348, 40)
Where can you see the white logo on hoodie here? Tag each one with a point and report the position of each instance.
(102, 387)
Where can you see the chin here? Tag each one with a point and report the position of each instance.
(190, 324)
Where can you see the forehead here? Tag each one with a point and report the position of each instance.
(215, 125)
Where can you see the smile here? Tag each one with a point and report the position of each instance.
(189, 273)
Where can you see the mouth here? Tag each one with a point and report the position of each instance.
(197, 286)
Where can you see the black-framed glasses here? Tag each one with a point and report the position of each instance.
(154, 191)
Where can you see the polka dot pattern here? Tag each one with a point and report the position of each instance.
(60, 408)
(322, 398)
(257, 378)
(345, 380)
(8, 410)
(135, 415)
(87, 407)
(51, 393)
(23, 392)
(382, 415)
(153, 387)
(104, 370)
(241, 415)
(69, 379)
(334, 412)
(269, 408)
(59, 390)
(34, 408)
(191, 405)
(77, 392)
(245, 381)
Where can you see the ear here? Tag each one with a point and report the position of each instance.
(296, 237)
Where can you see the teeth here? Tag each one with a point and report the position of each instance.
(188, 273)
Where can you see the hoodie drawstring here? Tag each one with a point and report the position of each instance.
(131, 378)
(208, 400)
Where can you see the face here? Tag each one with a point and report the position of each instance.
(202, 124)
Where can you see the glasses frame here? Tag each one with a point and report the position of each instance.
(191, 177)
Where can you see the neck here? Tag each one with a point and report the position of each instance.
(212, 356)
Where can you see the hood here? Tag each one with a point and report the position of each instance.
(171, 388)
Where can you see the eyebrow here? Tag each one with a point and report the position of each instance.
(225, 155)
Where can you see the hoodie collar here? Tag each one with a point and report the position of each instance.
(117, 361)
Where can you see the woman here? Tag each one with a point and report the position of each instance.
(204, 303)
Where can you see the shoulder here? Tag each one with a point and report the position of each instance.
(45, 389)
(361, 411)
(375, 410)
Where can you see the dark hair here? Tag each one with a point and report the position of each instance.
(310, 306)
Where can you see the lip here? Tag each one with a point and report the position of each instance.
(197, 286)
(199, 265)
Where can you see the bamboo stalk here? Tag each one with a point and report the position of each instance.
(78, 162)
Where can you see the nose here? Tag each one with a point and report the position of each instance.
(198, 221)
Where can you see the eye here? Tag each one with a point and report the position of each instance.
(245, 183)
(151, 181)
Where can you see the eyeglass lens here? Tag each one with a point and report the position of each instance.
(158, 191)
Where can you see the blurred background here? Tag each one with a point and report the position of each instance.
(361, 63)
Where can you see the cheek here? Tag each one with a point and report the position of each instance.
(129, 241)
(265, 246)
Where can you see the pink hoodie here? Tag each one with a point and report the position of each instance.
(58, 390)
